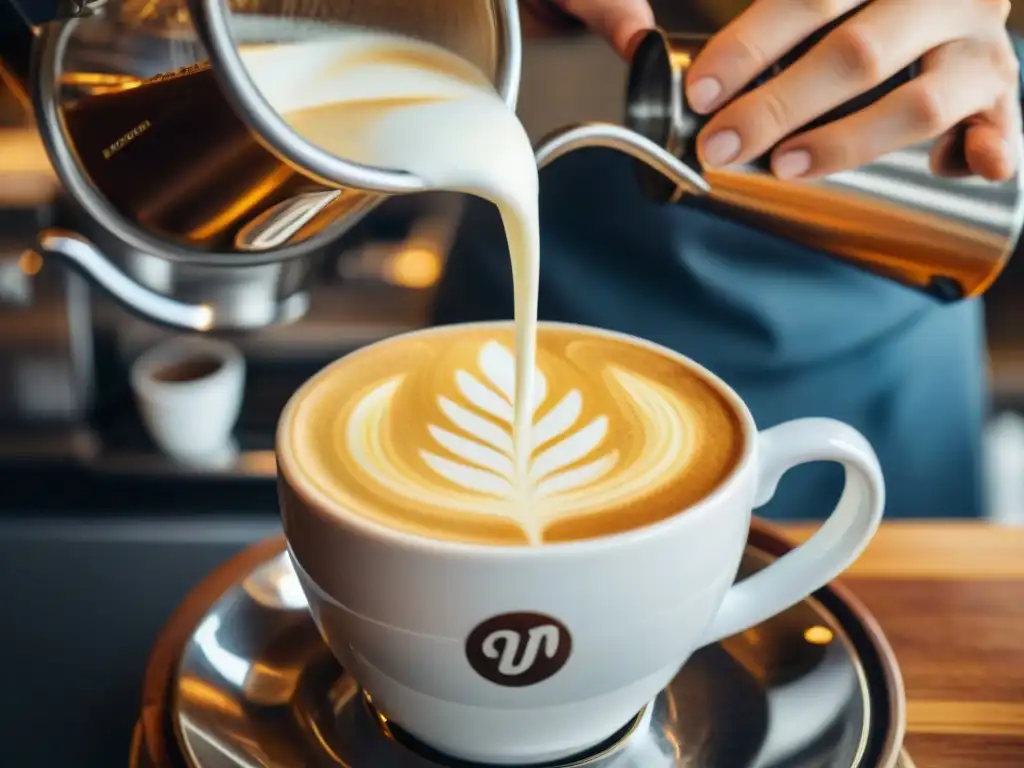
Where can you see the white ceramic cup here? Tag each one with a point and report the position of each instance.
(512, 655)
(191, 419)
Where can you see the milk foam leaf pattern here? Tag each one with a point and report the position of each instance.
(469, 422)
(468, 464)
(369, 440)
(499, 366)
(558, 419)
(483, 397)
(480, 458)
(578, 477)
(473, 452)
(472, 479)
(570, 450)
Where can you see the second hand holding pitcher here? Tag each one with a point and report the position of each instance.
(888, 184)
(969, 80)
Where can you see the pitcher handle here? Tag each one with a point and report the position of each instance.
(609, 136)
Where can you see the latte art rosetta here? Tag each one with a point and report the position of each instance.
(418, 434)
(572, 469)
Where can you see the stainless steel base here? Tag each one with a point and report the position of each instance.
(254, 685)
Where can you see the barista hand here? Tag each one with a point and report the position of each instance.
(618, 21)
(968, 82)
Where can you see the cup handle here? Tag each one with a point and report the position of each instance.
(833, 548)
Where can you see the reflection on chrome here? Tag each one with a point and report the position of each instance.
(230, 667)
(206, 749)
(803, 711)
(276, 586)
(971, 209)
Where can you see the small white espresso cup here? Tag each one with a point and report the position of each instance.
(189, 392)
(513, 655)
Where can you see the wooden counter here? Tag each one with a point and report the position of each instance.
(950, 598)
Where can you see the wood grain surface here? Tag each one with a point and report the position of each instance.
(950, 599)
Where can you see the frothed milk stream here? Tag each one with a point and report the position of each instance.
(451, 434)
(393, 102)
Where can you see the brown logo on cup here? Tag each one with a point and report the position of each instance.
(515, 650)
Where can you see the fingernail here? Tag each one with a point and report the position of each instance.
(790, 165)
(703, 93)
(721, 148)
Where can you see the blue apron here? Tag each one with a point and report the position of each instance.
(794, 332)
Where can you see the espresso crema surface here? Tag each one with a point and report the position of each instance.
(416, 434)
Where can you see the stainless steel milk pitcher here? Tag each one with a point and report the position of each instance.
(947, 235)
(200, 207)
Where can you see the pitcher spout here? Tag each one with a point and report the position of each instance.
(609, 136)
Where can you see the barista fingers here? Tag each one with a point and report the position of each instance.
(618, 21)
(551, 14)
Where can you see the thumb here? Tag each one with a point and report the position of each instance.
(618, 21)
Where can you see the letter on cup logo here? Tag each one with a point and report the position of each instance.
(515, 650)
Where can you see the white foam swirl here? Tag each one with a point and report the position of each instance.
(571, 470)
